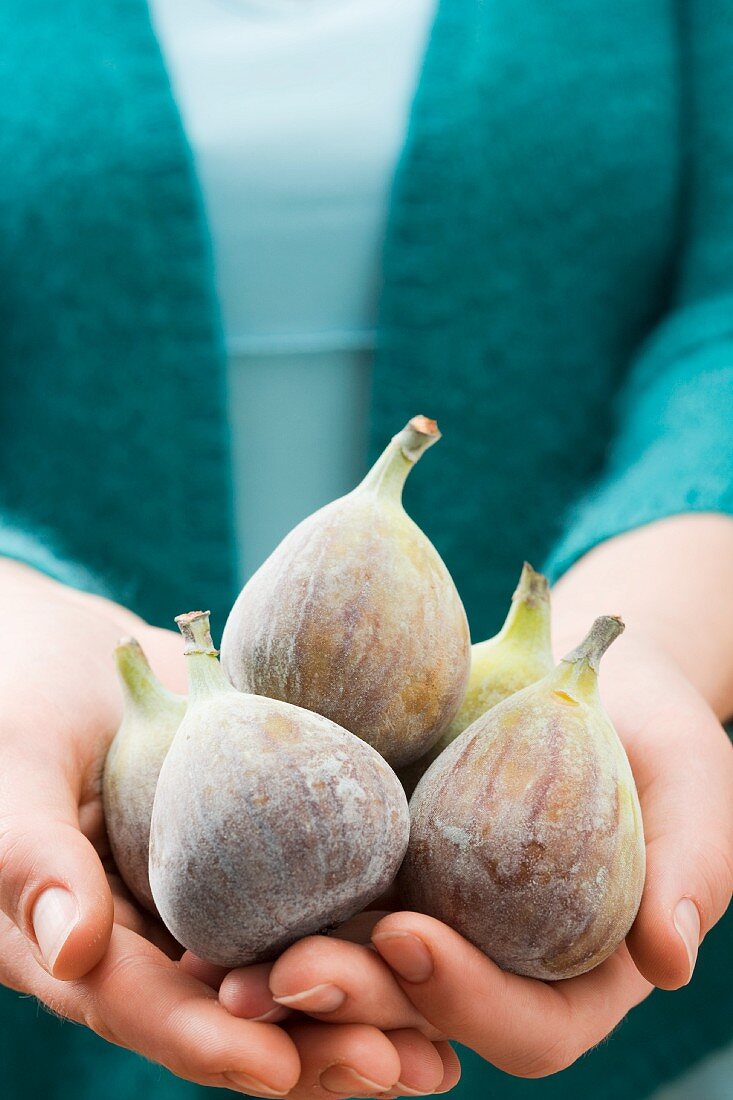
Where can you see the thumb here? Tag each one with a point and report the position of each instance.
(52, 883)
(688, 818)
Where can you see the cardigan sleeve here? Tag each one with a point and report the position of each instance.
(30, 548)
(673, 447)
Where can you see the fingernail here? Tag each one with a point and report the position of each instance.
(406, 954)
(321, 998)
(263, 1019)
(345, 1080)
(251, 1084)
(405, 1090)
(687, 923)
(55, 916)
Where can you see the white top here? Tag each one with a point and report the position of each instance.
(296, 113)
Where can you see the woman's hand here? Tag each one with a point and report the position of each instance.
(64, 938)
(361, 1054)
(683, 764)
(429, 978)
(70, 934)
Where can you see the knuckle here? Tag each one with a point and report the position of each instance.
(113, 981)
(117, 975)
(112, 1010)
(97, 1022)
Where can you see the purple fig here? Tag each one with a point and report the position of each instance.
(356, 617)
(526, 832)
(269, 822)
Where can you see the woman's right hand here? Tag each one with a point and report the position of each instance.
(70, 934)
(64, 935)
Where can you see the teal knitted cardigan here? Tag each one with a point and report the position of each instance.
(558, 291)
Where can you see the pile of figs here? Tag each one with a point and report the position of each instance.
(272, 803)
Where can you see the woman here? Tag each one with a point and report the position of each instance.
(555, 286)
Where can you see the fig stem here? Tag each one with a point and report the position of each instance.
(205, 674)
(577, 673)
(532, 587)
(140, 686)
(388, 474)
(196, 631)
(528, 621)
(604, 631)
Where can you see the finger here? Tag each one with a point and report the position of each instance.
(688, 823)
(208, 973)
(343, 982)
(421, 1066)
(139, 999)
(52, 883)
(451, 1067)
(246, 993)
(526, 1027)
(451, 1070)
(344, 1059)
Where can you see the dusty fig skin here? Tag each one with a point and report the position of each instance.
(269, 824)
(131, 771)
(526, 837)
(356, 617)
(129, 790)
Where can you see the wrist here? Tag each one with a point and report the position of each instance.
(575, 606)
(672, 584)
(21, 583)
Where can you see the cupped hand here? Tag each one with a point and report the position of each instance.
(422, 975)
(71, 935)
(358, 1051)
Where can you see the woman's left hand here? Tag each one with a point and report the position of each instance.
(424, 976)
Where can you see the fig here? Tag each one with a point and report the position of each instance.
(150, 718)
(355, 616)
(519, 655)
(269, 823)
(526, 833)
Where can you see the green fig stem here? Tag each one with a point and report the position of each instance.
(528, 621)
(389, 473)
(205, 674)
(140, 686)
(579, 669)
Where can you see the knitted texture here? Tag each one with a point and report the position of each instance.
(558, 272)
(558, 283)
(112, 433)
